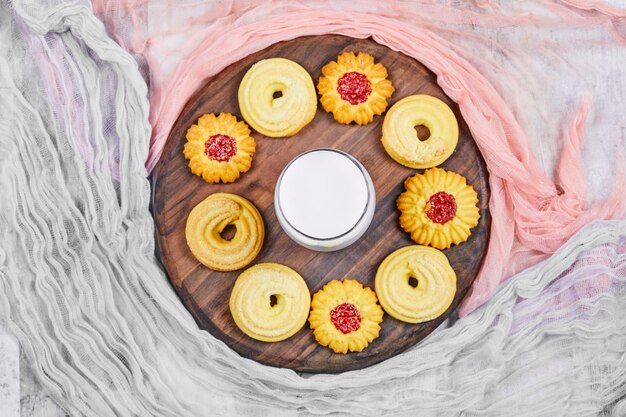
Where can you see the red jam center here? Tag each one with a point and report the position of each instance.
(354, 87)
(441, 207)
(346, 318)
(220, 147)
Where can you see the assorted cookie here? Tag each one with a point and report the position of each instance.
(271, 302)
(277, 97)
(207, 221)
(354, 88)
(345, 316)
(415, 284)
(400, 138)
(219, 148)
(438, 208)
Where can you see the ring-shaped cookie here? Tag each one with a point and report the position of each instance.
(277, 97)
(400, 137)
(208, 220)
(415, 284)
(270, 302)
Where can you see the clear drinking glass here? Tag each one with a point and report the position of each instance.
(324, 199)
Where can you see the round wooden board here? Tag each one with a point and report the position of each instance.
(206, 293)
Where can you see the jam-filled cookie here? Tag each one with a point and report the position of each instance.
(354, 88)
(438, 208)
(219, 148)
(345, 316)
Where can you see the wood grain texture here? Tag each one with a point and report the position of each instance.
(206, 293)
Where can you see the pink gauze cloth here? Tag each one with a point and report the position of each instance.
(180, 46)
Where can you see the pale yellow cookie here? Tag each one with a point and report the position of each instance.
(270, 302)
(208, 220)
(354, 88)
(345, 316)
(219, 148)
(277, 97)
(415, 284)
(438, 208)
(400, 137)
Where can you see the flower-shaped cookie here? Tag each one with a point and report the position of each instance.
(219, 148)
(438, 208)
(354, 88)
(345, 316)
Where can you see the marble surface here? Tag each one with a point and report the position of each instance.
(9, 376)
(34, 402)
(20, 394)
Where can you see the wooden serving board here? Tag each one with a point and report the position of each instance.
(206, 293)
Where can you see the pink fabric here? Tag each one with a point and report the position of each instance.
(71, 113)
(532, 215)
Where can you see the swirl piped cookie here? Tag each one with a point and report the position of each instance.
(277, 97)
(345, 316)
(354, 88)
(219, 148)
(400, 137)
(415, 284)
(270, 302)
(208, 220)
(438, 208)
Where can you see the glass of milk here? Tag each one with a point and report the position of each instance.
(324, 199)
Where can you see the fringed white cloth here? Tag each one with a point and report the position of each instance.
(105, 335)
